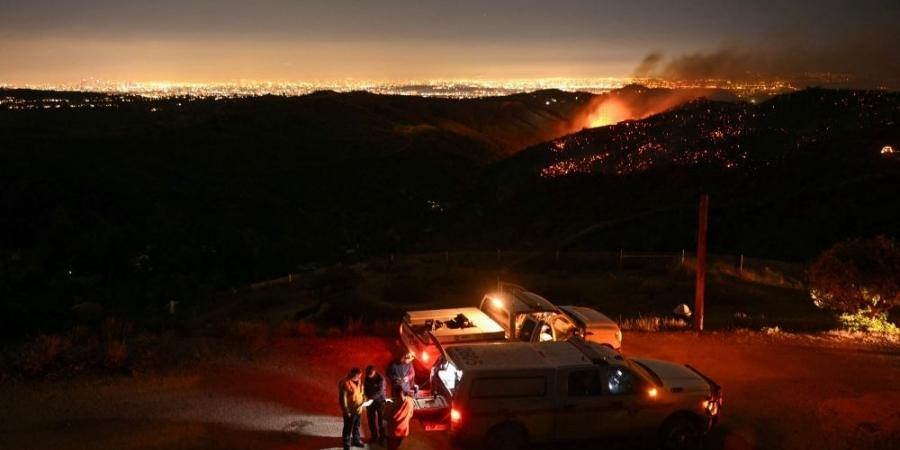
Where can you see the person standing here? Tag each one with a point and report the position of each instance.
(350, 395)
(398, 412)
(374, 390)
(403, 374)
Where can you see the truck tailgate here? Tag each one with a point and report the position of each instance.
(433, 410)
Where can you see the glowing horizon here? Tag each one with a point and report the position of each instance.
(48, 42)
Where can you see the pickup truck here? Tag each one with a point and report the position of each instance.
(510, 314)
(510, 396)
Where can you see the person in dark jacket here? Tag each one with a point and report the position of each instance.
(402, 373)
(374, 390)
(350, 396)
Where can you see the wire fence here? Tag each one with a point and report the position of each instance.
(741, 266)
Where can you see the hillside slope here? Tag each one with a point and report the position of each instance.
(788, 177)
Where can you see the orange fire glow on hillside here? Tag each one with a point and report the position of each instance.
(612, 108)
(608, 112)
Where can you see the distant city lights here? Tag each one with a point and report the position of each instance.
(464, 88)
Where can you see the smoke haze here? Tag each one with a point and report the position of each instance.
(861, 58)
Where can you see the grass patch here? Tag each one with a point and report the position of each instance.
(653, 323)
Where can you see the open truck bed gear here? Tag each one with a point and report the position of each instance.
(511, 314)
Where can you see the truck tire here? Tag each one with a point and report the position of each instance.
(681, 432)
(506, 436)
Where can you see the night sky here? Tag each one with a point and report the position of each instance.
(282, 40)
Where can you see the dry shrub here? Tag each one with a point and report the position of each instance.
(295, 329)
(652, 323)
(386, 328)
(116, 355)
(43, 353)
(353, 327)
(306, 329)
(251, 336)
(284, 329)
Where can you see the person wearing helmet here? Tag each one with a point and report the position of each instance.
(403, 374)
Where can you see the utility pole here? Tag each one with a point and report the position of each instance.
(701, 262)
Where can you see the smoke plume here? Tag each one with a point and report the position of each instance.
(862, 58)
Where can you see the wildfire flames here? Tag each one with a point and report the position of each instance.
(608, 112)
(633, 104)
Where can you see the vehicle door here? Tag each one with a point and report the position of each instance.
(584, 405)
(634, 403)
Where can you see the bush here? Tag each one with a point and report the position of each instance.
(353, 327)
(653, 323)
(250, 337)
(857, 275)
(386, 328)
(116, 355)
(293, 329)
(42, 354)
(865, 320)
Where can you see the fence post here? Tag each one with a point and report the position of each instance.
(620, 257)
(682, 257)
(741, 267)
(700, 286)
(290, 278)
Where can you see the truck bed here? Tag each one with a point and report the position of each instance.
(483, 327)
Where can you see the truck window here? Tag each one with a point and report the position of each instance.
(527, 330)
(509, 387)
(563, 327)
(621, 381)
(584, 383)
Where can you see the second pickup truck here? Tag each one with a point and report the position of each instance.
(510, 314)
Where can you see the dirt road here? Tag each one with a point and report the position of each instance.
(780, 393)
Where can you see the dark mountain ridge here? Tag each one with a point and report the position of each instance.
(129, 202)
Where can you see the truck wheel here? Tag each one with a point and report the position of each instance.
(681, 433)
(508, 436)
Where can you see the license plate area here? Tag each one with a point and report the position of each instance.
(433, 410)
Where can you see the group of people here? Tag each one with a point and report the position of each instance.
(388, 418)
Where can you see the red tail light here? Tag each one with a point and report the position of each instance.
(455, 416)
